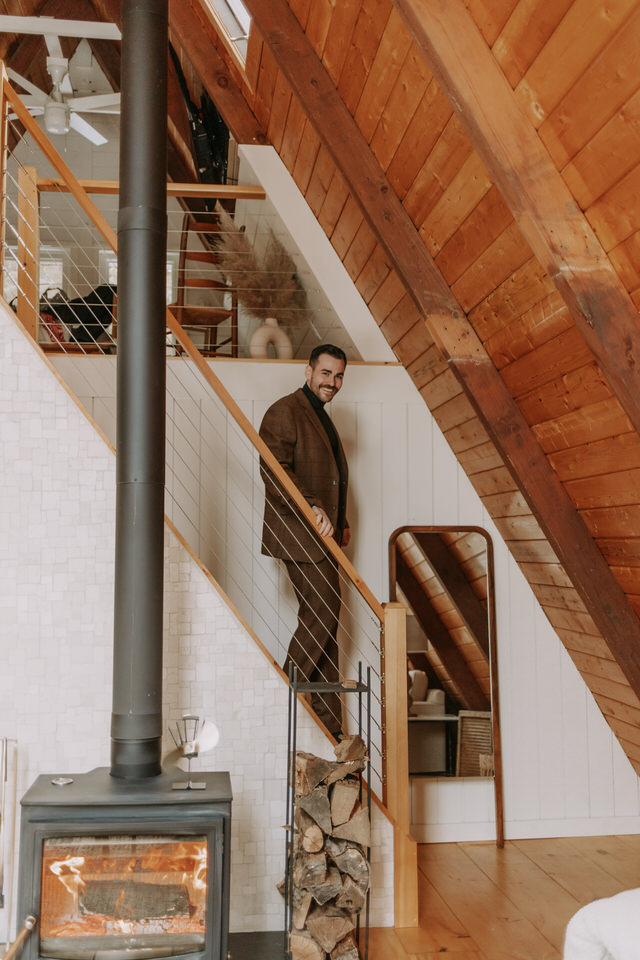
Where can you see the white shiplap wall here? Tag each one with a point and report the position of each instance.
(565, 774)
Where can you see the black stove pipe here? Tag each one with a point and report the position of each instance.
(136, 724)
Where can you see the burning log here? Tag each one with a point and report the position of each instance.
(330, 866)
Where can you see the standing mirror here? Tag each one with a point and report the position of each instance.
(444, 576)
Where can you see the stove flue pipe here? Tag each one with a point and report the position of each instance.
(136, 725)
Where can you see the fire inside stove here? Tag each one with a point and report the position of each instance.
(123, 893)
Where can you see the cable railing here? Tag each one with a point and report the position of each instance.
(218, 467)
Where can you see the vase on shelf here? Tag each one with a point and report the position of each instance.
(270, 333)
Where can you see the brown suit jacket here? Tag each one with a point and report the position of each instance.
(294, 434)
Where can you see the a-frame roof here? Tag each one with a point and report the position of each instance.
(475, 165)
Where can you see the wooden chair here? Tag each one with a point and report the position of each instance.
(196, 316)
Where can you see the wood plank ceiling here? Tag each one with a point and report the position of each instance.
(476, 166)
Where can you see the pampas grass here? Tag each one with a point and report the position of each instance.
(266, 288)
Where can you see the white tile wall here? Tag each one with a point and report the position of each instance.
(56, 608)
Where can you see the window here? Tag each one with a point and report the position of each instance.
(235, 20)
(51, 271)
(109, 272)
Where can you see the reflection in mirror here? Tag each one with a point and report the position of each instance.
(444, 576)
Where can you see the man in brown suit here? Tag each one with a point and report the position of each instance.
(300, 434)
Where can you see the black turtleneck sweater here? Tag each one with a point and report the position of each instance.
(330, 430)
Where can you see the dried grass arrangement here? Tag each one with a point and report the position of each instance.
(266, 288)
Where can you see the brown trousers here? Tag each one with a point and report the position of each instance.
(314, 647)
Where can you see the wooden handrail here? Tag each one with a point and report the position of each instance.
(211, 191)
(101, 224)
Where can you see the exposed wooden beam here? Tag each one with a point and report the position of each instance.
(190, 29)
(453, 581)
(452, 332)
(542, 204)
(471, 694)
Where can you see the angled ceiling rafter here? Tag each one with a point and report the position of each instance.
(452, 660)
(539, 199)
(448, 325)
(449, 575)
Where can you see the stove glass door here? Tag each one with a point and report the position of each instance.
(133, 896)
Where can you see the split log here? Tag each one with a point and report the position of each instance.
(310, 836)
(357, 829)
(335, 847)
(310, 771)
(316, 804)
(347, 949)
(332, 886)
(300, 907)
(329, 928)
(349, 859)
(304, 947)
(352, 898)
(344, 796)
(330, 868)
(313, 839)
(350, 748)
(309, 869)
(342, 770)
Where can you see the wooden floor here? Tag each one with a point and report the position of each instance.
(481, 903)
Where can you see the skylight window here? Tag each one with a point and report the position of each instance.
(235, 20)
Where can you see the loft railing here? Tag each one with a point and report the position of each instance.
(205, 424)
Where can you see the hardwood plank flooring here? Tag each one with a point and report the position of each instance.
(481, 903)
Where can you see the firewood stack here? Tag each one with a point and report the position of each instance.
(330, 866)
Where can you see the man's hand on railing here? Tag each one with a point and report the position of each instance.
(323, 524)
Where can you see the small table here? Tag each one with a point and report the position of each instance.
(432, 743)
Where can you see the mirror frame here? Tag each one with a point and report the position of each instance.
(493, 645)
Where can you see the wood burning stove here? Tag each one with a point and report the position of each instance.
(114, 870)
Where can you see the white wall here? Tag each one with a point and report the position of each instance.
(56, 602)
(565, 773)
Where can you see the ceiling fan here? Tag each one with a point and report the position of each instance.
(59, 108)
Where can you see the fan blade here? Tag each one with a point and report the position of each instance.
(33, 103)
(81, 126)
(34, 111)
(207, 737)
(100, 103)
(39, 95)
